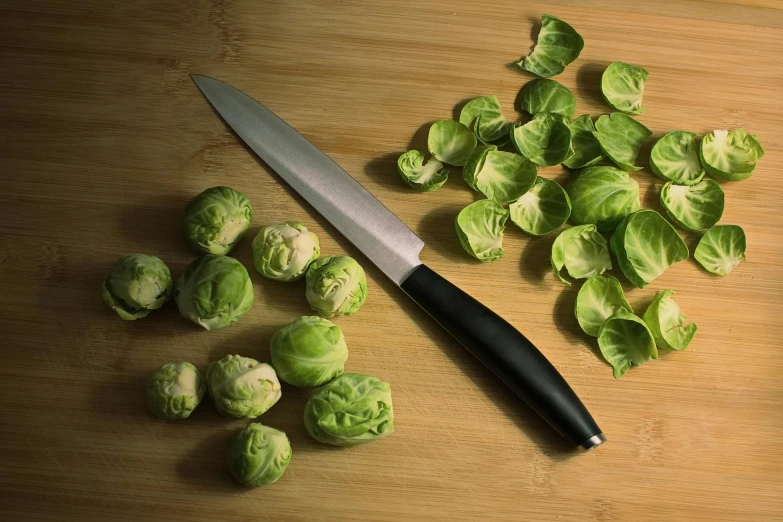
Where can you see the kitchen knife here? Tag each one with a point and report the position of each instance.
(394, 248)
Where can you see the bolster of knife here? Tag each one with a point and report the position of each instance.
(507, 353)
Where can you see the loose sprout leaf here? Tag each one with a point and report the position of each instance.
(543, 95)
(693, 207)
(480, 228)
(621, 138)
(543, 209)
(622, 84)
(504, 176)
(721, 249)
(602, 196)
(451, 142)
(545, 140)
(667, 323)
(598, 299)
(582, 251)
(646, 245)
(473, 166)
(730, 155)
(421, 176)
(558, 45)
(586, 148)
(675, 158)
(486, 116)
(625, 341)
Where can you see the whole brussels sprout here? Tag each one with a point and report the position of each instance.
(215, 220)
(258, 455)
(283, 252)
(336, 285)
(214, 291)
(138, 285)
(308, 352)
(353, 409)
(174, 390)
(242, 387)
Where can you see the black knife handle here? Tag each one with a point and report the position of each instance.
(505, 351)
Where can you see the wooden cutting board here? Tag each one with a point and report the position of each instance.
(105, 138)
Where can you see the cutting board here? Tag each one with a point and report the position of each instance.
(105, 138)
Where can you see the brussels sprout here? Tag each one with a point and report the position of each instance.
(215, 220)
(693, 207)
(558, 45)
(621, 138)
(582, 251)
(504, 176)
(675, 158)
(258, 455)
(730, 155)
(622, 85)
(174, 390)
(353, 409)
(545, 140)
(667, 323)
(602, 196)
(489, 124)
(242, 387)
(214, 292)
(138, 284)
(283, 252)
(451, 142)
(586, 149)
(473, 166)
(598, 299)
(480, 228)
(542, 209)
(421, 176)
(308, 352)
(721, 249)
(543, 95)
(646, 245)
(336, 285)
(625, 341)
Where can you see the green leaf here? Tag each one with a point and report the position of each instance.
(586, 148)
(543, 95)
(622, 85)
(489, 124)
(543, 209)
(451, 142)
(558, 45)
(621, 138)
(693, 207)
(473, 166)
(602, 196)
(730, 155)
(625, 341)
(721, 249)
(675, 158)
(582, 251)
(667, 322)
(421, 176)
(598, 299)
(480, 228)
(545, 140)
(504, 176)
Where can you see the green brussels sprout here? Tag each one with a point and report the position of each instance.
(582, 251)
(258, 455)
(667, 323)
(489, 124)
(504, 176)
(625, 341)
(308, 352)
(622, 85)
(544, 95)
(558, 45)
(693, 207)
(598, 299)
(174, 390)
(215, 220)
(542, 209)
(242, 387)
(353, 409)
(545, 140)
(585, 146)
(451, 142)
(475, 161)
(730, 155)
(336, 285)
(480, 228)
(602, 196)
(646, 245)
(138, 284)
(621, 138)
(421, 176)
(283, 252)
(721, 249)
(675, 158)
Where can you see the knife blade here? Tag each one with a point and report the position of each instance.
(394, 248)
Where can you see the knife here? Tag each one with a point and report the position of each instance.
(394, 248)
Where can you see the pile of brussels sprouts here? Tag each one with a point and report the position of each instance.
(215, 291)
(499, 159)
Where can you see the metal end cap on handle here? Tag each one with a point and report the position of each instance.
(592, 442)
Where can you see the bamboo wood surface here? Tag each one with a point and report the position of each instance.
(104, 138)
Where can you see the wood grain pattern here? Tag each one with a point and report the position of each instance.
(104, 138)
